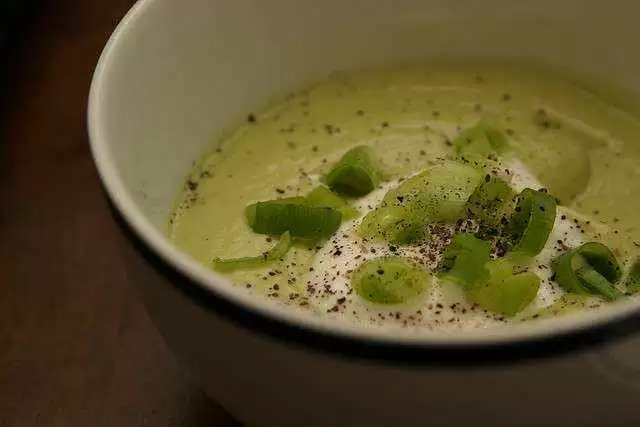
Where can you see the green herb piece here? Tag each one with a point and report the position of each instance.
(322, 196)
(392, 280)
(276, 253)
(437, 194)
(492, 202)
(357, 173)
(300, 219)
(390, 223)
(464, 260)
(589, 269)
(532, 222)
(502, 291)
(507, 294)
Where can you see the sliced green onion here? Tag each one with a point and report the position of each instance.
(597, 282)
(357, 173)
(464, 260)
(322, 196)
(589, 269)
(274, 254)
(602, 259)
(480, 141)
(492, 202)
(532, 222)
(392, 280)
(440, 193)
(506, 294)
(390, 223)
(437, 194)
(250, 210)
(301, 220)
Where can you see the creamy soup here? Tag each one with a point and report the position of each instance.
(434, 198)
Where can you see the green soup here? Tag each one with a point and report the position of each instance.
(577, 149)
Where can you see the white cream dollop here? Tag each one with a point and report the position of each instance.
(443, 306)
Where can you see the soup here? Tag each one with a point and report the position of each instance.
(440, 197)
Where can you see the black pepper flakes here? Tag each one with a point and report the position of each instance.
(192, 185)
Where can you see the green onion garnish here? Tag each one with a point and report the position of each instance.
(532, 222)
(590, 269)
(464, 260)
(274, 217)
(505, 292)
(274, 254)
(392, 280)
(392, 224)
(322, 196)
(440, 193)
(492, 202)
(357, 173)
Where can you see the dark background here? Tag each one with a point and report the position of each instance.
(76, 346)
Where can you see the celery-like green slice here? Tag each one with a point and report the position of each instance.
(506, 293)
(357, 173)
(392, 280)
(322, 196)
(276, 253)
(589, 269)
(492, 202)
(464, 260)
(439, 193)
(532, 222)
(301, 220)
(390, 223)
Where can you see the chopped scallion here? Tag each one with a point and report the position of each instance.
(588, 269)
(357, 173)
(301, 220)
(532, 222)
(392, 280)
(274, 254)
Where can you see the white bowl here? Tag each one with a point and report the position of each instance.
(176, 74)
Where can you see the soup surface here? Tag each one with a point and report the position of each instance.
(576, 151)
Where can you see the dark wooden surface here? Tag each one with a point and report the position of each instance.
(76, 346)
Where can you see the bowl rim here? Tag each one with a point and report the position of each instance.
(215, 285)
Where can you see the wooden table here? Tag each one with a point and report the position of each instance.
(76, 345)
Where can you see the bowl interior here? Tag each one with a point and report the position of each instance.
(177, 75)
